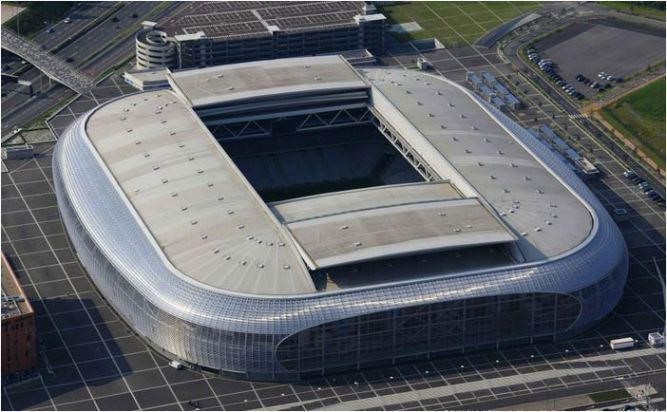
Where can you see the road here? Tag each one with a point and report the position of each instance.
(19, 109)
(512, 49)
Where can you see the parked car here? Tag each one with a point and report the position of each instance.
(629, 173)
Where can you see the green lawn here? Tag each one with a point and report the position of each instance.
(640, 116)
(650, 9)
(452, 22)
(611, 395)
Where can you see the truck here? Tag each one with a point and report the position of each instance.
(622, 343)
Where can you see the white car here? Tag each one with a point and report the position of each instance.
(67, 20)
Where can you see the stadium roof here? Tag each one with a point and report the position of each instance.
(380, 222)
(202, 212)
(226, 20)
(213, 226)
(445, 123)
(253, 80)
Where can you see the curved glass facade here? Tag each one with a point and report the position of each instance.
(284, 337)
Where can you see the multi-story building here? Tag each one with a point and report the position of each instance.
(294, 217)
(19, 342)
(211, 33)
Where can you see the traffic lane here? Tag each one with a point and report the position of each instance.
(587, 124)
(36, 106)
(120, 51)
(91, 42)
(80, 17)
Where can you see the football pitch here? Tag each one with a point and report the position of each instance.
(454, 23)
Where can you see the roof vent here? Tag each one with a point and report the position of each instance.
(191, 158)
(500, 152)
(486, 140)
(286, 267)
(216, 250)
(163, 121)
(442, 126)
(514, 165)
(281, 244)
(454, 138)
(526, 178)
(123, 118)
(181, 145)
(457, 229)
(538, 229)
(260, 265)
(156, 167)
(318, 78)
(357, 244)
(171, 133)
(548, 222)
(174, 194)
(200, 171)
(480, 163)
(137, 142)
(243, 263)
(209, 184)
(506, 190)
(221, 198)
(228, 257)
(431, 115)
(438, 92)
(419, 103)
(230, 212)
(193, 222)
(184, 208)
(165, 181)
(503, 214)
(524, 234)
(468, 151)
(147, 155)
(136, 190)
(540, 191)
(462, 116)
(492, 177)
(204, 236)
(251, 237)
(240, 226)
(451, 104)
(443, 214)
(230, 88)
(473, 127)
(344, 227)
(408, 92)
(553, 205)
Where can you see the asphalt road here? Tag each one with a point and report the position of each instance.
(19, 108)
(511, 50)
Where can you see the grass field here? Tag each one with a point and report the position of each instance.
(631, 7)
(452, 22)
(640, 116)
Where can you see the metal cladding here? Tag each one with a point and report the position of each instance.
(288, 336)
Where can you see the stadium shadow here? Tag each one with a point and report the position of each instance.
(72, 360)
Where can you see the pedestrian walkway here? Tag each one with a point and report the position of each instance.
(50, 64)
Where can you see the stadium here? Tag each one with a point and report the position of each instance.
(283, 219)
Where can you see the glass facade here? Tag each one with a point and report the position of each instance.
(458, 325)
(284, 337)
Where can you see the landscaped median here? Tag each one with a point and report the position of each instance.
(639, 119)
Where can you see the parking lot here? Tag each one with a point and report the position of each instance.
(606, 46)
